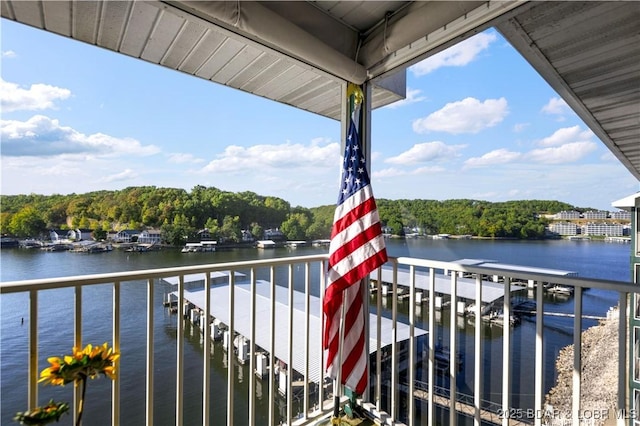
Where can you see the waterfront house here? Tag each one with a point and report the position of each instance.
(303, 54)
(274, 235)
(126, 236)
(203, 234)
(150, 236)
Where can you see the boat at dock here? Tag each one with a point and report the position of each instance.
(200, 247)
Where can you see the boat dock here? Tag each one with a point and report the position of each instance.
(242, 321)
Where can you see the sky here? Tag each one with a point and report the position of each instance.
(477, 123)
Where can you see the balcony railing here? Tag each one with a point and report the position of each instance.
(416, 378)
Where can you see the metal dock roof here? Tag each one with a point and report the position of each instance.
(242, 293)
(520, 268)
(466, 286)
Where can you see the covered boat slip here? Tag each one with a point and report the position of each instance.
(491, 291)
(301, 345)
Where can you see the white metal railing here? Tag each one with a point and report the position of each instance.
(305, 275)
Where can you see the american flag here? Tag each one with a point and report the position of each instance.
(357, 248)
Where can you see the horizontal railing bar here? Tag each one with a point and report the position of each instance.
(70, 281)
(143, 274)
(603, 284)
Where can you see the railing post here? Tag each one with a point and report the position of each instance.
(577, 353)
(479, 355)
(290, 349)
(378, 394)
(432, 344)
(272, 348)
(115, 385)
(33, 349)
(412, 344)
(230, 347)
(150, 351)
(539, 367)
(622, 354)
(180, 351)
(77, 342)
(252, 354)
(307, 311)
(453, 414)
(323, 278)
(206, 367)
(394, 346)
(506, 351)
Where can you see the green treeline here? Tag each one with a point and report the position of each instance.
(180, 214)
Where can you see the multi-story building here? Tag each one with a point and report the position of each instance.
(564, 228)
(595, 215)
(568, 215)
(602, 228)
(620, 215)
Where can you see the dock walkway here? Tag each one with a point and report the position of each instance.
(489, 411)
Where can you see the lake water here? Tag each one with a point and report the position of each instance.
(592, 259)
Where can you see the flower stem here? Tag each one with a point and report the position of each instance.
(83, 383)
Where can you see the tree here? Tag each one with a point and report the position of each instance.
(230, 231)
(27, 223)
(294, 228)
(256, 230)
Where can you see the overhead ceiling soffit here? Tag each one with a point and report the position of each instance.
(426, 28)
(262, 25)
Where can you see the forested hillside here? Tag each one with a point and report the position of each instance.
(181, 214)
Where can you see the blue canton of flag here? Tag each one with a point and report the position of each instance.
(354, 172)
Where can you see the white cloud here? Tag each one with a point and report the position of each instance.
(392, 172)
(428, 170)
(127, 174)
(423, 152)
(42, 136)
(388, 173)
(456, 56)
(36, 97)
(466, 116)
(567, 153)
(182, 158)
(285, 156)
(9, 54)
(413, 96)
(556, 106)
(567, 135)
(498, 156)
(519, 127)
